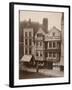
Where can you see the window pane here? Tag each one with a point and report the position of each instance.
(54, 54)
(36, 53)
(25, 41)
(30, 42)
(46, 54)
(25, 34)
(40, 53)
(25, 50)
(39, 35)
(40, 43)
(50, 44)
(30, 51)
(54, 44)
(50, 54)
(29, 34)
(37, 43)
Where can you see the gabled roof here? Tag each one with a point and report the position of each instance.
(39, 30)
(54, 28)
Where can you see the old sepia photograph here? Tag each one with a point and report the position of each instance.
(41, 44)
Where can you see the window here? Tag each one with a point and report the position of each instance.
(54, 54)
(36, 53)
(50, 54)
(25, 41)
(40, 43)
(58, 44)
(30, 42)
(30, 51)
(39, 35)
(25, 50)
(37, 43)
(58, 55)
(29, 34)
(46, 54)
(50, 44)
(46, 45)
(54, 44)
(40, 53)
(53, 33)
(25, 34)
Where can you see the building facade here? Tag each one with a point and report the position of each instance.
(39, 46)
(52, 47)
(44, 46)
(28, 41)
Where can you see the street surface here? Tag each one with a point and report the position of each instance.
(29, 73)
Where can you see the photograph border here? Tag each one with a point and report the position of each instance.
(11, 42)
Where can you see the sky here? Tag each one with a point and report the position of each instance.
(54, 18)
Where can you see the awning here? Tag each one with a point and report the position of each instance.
(26, 58)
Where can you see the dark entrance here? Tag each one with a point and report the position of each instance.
(50, 65)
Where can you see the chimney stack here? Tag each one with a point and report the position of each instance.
(45, 24)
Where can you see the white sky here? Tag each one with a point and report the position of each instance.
(54, 18)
